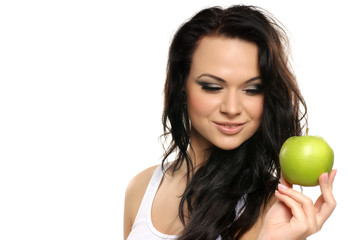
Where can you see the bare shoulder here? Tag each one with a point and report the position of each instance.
(139, 183)
(134, 195)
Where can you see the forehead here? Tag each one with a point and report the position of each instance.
(223, 55)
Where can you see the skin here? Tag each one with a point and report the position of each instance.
(223, 89)
(294, 216)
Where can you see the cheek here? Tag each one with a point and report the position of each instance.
(259, 109)
(202, 105)
(255, 108)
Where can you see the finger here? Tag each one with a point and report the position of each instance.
(284, 181)
(305, 202)
(320, 201)
(328, 204)
(295, 207)
(331, 177)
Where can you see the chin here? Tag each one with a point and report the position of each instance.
(228, 147)
(230, 144)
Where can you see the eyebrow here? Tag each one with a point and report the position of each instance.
(222, 80)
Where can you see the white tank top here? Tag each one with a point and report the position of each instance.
(143, 228)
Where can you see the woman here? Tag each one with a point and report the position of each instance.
(230, 102)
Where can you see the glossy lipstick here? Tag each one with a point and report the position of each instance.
(229, 128)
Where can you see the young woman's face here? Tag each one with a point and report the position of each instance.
(224, 92)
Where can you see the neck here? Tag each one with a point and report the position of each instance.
(198, 150)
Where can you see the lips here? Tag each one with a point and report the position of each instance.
(229, 128)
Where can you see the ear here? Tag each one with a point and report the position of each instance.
(184, 96)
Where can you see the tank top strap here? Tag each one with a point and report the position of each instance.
(143, 227)
(149, 194)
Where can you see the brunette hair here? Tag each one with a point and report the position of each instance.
(250, 173)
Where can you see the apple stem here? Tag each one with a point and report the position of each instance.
(306, 131)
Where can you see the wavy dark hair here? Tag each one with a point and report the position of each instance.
(251, 172)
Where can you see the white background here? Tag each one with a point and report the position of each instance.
(81, 101)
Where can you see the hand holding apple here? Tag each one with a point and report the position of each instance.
(304, 158)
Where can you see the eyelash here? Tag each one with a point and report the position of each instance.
(210, 86)
(252, 90)
(212, 89)
(255, 89)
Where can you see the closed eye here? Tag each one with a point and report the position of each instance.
(254, 89)
(210, 86)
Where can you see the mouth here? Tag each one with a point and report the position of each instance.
(229, 128)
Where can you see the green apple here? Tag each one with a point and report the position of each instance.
(304, 158)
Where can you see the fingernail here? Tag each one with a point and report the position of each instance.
(282, 186)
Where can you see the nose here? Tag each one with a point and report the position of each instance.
(231, 105)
